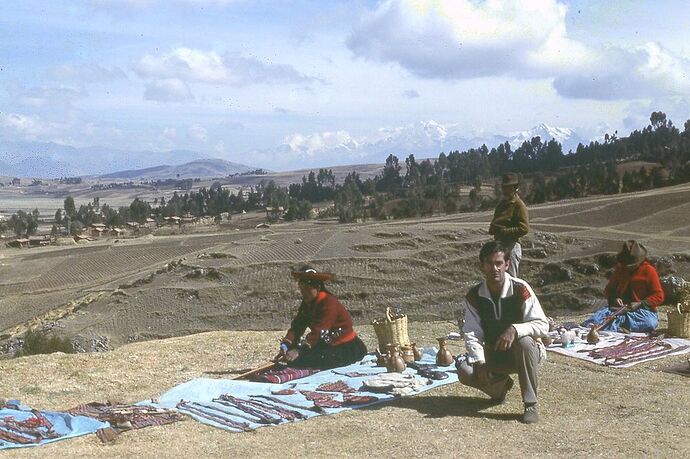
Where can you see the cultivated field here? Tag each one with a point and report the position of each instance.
(109, 294)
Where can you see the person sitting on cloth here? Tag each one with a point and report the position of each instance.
(634, 284)
(331, 342)
(502, 319)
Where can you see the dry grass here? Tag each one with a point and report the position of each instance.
(586, 410)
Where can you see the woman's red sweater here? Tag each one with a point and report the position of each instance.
(643, 284)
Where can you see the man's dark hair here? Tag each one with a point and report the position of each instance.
(492, 247)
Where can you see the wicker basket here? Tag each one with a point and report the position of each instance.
(679, 323)
(391, 330)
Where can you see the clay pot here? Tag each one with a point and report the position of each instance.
(394, 361)
(407, 354)
(593, 336)
(443, 356)
(380, 358)
(417, 352)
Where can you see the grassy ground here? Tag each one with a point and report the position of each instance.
(586, 410)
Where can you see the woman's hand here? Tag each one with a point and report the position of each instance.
(291, 355)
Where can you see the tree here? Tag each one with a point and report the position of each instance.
(69, 206)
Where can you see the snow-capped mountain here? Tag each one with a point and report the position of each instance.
(425, 139)
(565, 136)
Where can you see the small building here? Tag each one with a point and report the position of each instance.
(39, 241)
(150, 223)
(117, 232)
(82, 238)
(133, 225)
(97, 231)
(20, 243)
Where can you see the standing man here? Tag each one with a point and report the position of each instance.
(502, 319)
(510, 221)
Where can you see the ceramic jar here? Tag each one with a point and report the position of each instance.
(443, 356)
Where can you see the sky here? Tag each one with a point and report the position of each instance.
(284, 84)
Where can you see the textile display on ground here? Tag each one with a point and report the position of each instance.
(20, 426)
(244, 405)
(640, 348)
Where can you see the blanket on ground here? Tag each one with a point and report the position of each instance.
(634, 348)
(20, 426)
(244, 405)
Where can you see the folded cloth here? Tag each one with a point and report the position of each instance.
(284, 375)
(395, 383)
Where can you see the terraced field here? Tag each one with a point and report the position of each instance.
(240, 279)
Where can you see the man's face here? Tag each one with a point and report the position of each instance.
(494, 268)
(508, 190)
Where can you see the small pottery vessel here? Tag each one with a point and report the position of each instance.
(380, 358)
(417, 352)
(407, 354)
(443, 356)
(593, 335)
(394, 361)
(547, 340)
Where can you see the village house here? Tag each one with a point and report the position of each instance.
(20, 243)
(117, 232)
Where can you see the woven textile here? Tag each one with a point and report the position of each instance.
(285, 375)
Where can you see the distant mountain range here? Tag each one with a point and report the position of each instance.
(425, 139)
(202, 168)
(51, 160)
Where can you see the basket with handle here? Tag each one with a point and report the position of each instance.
(391, 330)
(679, 321)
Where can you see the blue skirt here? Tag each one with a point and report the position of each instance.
(641, 320)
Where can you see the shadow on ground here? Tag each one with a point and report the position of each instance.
(434, 407)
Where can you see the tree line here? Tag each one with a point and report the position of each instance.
(423, 187)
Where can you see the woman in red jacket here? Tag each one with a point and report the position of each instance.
(634, 283)
(331, 341)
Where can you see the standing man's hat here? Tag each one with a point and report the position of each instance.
(510, 179)
(632, 253)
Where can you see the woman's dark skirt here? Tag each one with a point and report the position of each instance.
(325, 356)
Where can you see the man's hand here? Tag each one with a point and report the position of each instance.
(291, 355)
(481, 370)
(506, 339)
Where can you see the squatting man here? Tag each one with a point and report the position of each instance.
(503, 318)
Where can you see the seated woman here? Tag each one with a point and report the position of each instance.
(331, 342)
(635, 284)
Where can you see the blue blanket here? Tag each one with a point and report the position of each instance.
(203, 391)
(64, 424)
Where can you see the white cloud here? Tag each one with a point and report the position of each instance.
(455, 39)
(198, 133)
(615, 73)
(20, 126)
(44, 96)
(86, 72)
(170, 133)
(411, 94)
(168, 90)
(194, 65)
(460, 39)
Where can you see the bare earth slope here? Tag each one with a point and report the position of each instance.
(166, 286)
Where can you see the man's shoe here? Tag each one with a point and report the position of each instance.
(531, 415)
(502, 396)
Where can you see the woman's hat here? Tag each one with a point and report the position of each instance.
(632, 253)
(309, 274)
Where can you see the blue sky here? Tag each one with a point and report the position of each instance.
(290, 84)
